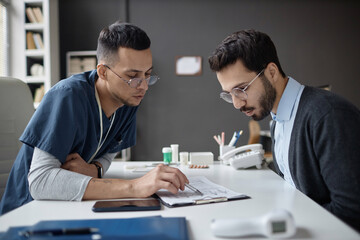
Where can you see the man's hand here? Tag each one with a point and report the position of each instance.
(75, 163)
(161, 177)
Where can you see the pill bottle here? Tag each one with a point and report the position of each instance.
(184, 158)
(167, 155)
(175, 153)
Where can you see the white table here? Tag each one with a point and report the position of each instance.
(266, 189)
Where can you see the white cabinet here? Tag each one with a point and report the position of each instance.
(80, 61)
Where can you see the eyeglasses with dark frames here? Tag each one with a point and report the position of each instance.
(238, 92)
(136, 82)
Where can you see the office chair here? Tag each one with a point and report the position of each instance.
(16, 109)
(254, 132)
(325, 87)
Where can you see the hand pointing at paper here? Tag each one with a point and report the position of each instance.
(161, 177)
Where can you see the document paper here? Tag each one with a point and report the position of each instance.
(210, 191)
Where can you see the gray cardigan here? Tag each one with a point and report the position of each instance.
(324, 153)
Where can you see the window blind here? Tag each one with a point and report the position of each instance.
(3, 39)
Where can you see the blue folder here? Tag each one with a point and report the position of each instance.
(156, 227)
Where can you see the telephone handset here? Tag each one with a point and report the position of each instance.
(244, 156)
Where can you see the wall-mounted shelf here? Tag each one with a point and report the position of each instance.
(80, 61)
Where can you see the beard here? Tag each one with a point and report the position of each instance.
(128, 101)
(266, 101)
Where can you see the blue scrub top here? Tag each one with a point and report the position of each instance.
(67, 121)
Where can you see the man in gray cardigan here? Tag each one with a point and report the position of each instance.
(316, 134)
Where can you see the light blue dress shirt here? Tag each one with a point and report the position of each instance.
(284, 117)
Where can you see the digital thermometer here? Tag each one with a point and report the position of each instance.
(275, 224)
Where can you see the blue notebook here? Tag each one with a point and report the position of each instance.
(156, 227)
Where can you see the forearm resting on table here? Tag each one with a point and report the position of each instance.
(100, 188)
(48, 180)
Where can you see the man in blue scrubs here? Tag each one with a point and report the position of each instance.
(311, 126)
(81, 124)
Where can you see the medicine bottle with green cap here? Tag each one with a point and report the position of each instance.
(167, 155)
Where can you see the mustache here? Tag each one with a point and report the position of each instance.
(245, 109)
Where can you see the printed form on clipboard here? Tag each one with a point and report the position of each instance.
(211, 193)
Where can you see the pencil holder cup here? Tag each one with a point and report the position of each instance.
(224, 149)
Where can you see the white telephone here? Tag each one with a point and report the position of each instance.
(244, 156)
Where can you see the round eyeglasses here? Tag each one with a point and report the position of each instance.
(136, 82)
(238, 92)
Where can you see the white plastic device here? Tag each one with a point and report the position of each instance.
(244, 156)
(278, 223)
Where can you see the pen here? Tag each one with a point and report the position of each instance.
(193, 188)
(238, 136)
(131, 167)
(60, 231)
(233, 139)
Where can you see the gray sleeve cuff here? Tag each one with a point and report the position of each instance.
(105, 161)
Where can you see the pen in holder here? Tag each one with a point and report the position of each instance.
(224, 149)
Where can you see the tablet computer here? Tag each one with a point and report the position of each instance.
(147, 204)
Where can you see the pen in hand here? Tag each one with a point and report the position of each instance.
(193, 189)
(60, 231)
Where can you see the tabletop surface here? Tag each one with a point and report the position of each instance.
(267, 191)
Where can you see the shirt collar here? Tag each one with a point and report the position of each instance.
(93, 77)
(287, 101)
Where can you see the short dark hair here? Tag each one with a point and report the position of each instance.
(255, 49)
(118, 35)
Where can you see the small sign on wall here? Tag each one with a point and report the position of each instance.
(188, 65)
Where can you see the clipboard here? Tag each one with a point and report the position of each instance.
(212, 193)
